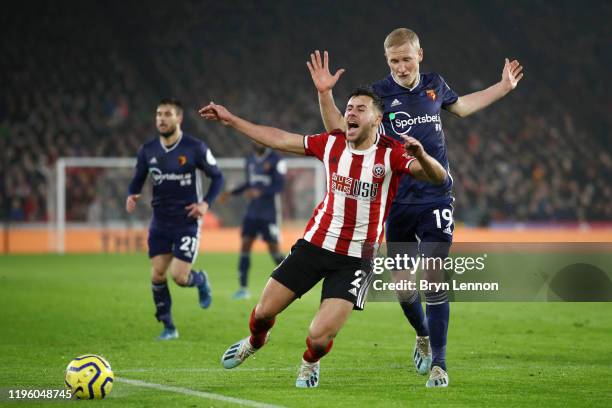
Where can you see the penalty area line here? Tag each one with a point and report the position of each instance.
(195, 393)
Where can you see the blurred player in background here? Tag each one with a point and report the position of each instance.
(363, 171)
(421, 213)
(172, 160)
(265, 177)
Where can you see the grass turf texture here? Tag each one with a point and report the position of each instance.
(54, 308)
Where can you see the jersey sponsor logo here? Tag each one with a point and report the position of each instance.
(158, 177)
(153, 161)
(260, 178)
(354, 188)
(378, 170)
(402, 122)
(182, 159)
(395, 103)
(255, 177)
(431, 94)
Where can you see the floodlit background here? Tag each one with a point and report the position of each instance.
(82, 79)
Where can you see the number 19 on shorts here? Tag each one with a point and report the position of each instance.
(446, 216)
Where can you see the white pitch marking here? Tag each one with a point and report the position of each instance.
(194, 393)
(215, 370)
(198, 369)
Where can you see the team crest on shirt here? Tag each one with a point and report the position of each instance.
(182, 160)
(378, 170)
(431, 94)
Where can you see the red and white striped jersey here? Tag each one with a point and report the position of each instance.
(361, 185)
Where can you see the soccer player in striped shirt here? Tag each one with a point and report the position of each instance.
(363, 171)
(422, 214)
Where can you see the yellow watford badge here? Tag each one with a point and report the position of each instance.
(182, 160)
(431, 94)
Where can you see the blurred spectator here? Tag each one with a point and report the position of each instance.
(81, 82)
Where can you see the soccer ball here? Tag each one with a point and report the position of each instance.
(89, 377)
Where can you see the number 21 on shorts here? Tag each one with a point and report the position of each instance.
(189, 244)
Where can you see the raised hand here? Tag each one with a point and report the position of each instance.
(511, 74)
(319, 71)
(216, 112)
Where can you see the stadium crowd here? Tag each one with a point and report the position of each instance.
(83, 79)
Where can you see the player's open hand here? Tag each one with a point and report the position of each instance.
(130, 203)
(413, 147)
(197, 210)
(511, 75)
(212, 111)
(319, 71)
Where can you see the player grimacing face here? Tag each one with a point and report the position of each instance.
(362, 119)
(404, 63)
(167, 119)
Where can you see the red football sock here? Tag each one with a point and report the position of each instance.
(259, 330)
(312, 355)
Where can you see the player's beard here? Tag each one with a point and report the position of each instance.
(167, 133)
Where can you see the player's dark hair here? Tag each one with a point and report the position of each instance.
(174, 102)
(367, 91)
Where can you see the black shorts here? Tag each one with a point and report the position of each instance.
(344, 277)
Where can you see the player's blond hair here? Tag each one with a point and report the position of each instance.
(401, 36)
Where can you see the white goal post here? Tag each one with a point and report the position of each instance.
(65, 164)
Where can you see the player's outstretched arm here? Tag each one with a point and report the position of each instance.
(468, 104)
(268, 136)
(324, 81)
(425, 167)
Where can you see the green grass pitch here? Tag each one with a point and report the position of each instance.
(54, 308)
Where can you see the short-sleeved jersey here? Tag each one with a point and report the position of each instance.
(267, 174)
(416, 112)
(176, 182)
(361, 185)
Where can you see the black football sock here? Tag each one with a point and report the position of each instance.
(195, 278)
(243, 268)
(414, 313)
(163, 304)
(438, 312)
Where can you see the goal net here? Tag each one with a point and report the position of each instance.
(90, 195)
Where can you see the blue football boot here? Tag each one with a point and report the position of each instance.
(168, 334)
